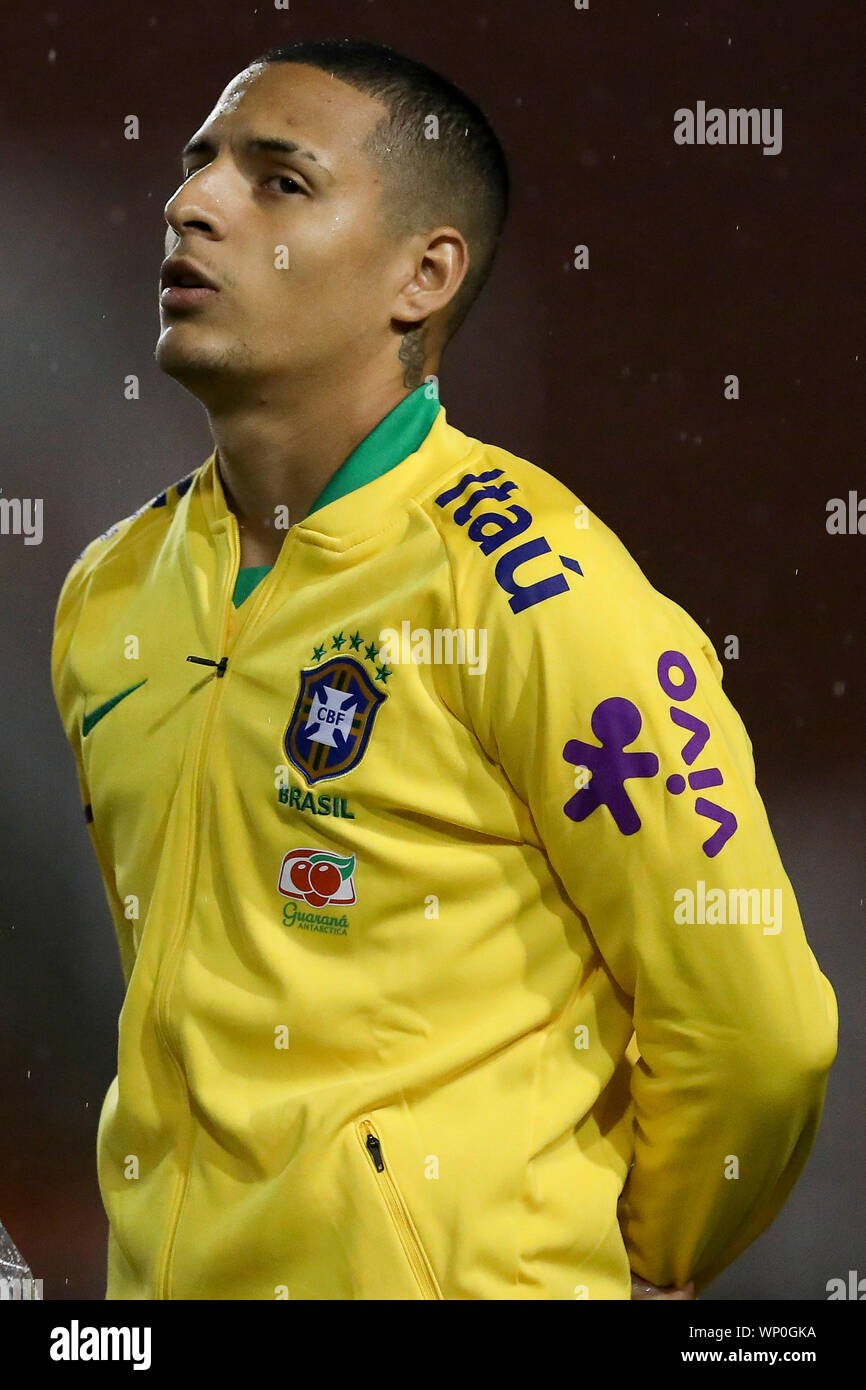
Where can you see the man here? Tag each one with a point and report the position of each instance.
(460, 960)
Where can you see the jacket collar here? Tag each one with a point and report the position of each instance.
(367, 491)
(395, 437)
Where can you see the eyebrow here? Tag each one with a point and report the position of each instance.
(259, 145)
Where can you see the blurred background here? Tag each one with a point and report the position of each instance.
(703, 261)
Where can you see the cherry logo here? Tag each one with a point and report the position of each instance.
(317, 877)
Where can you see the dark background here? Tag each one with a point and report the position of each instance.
(703, 261)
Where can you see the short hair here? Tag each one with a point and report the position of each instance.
(448, 170)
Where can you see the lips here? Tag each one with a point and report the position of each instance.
(183, 283)
(180, 270)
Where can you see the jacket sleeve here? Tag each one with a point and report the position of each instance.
(70, 704)
(605, 709)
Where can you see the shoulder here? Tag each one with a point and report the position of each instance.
(565, 617)
(119, 542)
(523, 545)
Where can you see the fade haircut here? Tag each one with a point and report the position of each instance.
(458, 179)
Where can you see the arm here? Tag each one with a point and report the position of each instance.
(735, 1025)
(70, 704)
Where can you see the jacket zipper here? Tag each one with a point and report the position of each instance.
(399, 1213)
(162, 1021)
(169, 975)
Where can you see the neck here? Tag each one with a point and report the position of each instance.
(281, 448)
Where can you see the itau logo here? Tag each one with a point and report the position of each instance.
(317, 877)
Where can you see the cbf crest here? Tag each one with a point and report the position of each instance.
(333, 717)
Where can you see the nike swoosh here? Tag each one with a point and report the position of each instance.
(101, 711)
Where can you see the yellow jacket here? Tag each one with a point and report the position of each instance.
(391, 902)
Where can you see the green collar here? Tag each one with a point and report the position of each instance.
(401, 432)
(248, 578)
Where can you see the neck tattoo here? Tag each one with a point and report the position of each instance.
(412, 356)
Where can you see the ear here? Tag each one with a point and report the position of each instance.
(441, 260)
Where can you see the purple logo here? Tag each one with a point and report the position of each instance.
(616, 723)
(490, 530)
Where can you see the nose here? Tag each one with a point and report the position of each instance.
(195, 206)
(184, 213)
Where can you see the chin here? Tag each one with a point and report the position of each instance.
(185, 356)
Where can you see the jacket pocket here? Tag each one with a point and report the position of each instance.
(398, 1211)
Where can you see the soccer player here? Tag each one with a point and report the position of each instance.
(460, 959)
